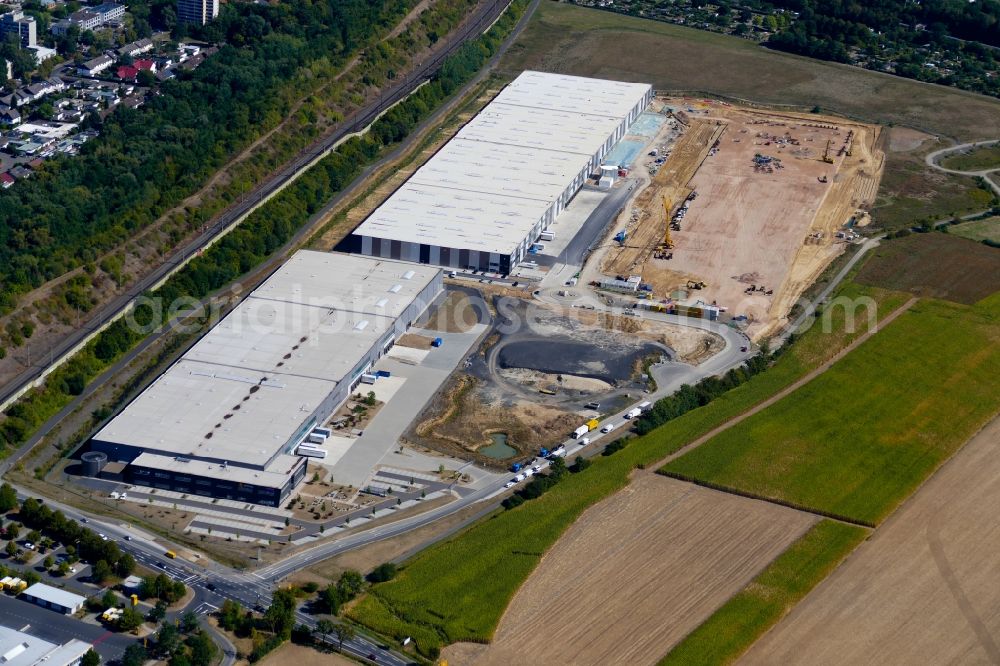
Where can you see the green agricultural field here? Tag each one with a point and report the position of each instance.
(457, 590)
(978, 159)
(980, 230)
(734, 627)
(858, 439)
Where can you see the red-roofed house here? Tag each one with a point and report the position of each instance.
(6, 180)
(143, 64)
(127, 73)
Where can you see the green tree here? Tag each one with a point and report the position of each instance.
(100, 572)
(109, 600)
(280, 617)
(168, 640)
(343, 632)
(158, 612)
(125, 565)
(202, 648)
(135, 655)
(130, 620)
(350, 584)
(189, 622)
(11, 548)
(90, 658)
(230, 615)
(64, 568)
(8, 497)
(382, 573)
(324, 627)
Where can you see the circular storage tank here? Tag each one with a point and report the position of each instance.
(93, 462)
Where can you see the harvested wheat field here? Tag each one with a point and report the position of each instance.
(922, 590)
(767, 207)
(635, 574)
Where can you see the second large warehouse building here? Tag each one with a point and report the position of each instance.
(487, 195)
(226, 418)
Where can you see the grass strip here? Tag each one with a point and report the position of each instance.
(734, 627)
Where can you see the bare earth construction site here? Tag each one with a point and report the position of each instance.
(760, 202)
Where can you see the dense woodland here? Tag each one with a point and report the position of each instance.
(150, 158)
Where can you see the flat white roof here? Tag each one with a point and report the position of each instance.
(54, 595)
(243, 390)
(20, 649)
(488, 186)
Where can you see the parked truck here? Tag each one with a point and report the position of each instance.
(581, 431)
(632, 413)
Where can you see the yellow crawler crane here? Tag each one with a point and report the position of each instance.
(668, 243)
(826, 153)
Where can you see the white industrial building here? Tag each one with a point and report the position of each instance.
(61, 601)
(486, 196)
(18, 648)
(225, 419)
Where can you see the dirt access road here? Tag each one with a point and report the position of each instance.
(922, 590)
(635, 574)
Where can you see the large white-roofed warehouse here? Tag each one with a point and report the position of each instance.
(226, 418)
(486, 196)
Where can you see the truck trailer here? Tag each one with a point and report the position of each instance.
(581, 431)
(632, 413)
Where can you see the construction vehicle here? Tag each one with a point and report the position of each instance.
(691, 284)
(668, 243)
(620, 238)
(826, 153)
(823, 178)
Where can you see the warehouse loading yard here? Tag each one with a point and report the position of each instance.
(772, 195)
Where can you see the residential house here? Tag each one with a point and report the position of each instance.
(9, 117)
(127, 73)
(6, 180)
(20, 172)
(95, 66)
(135, 48)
